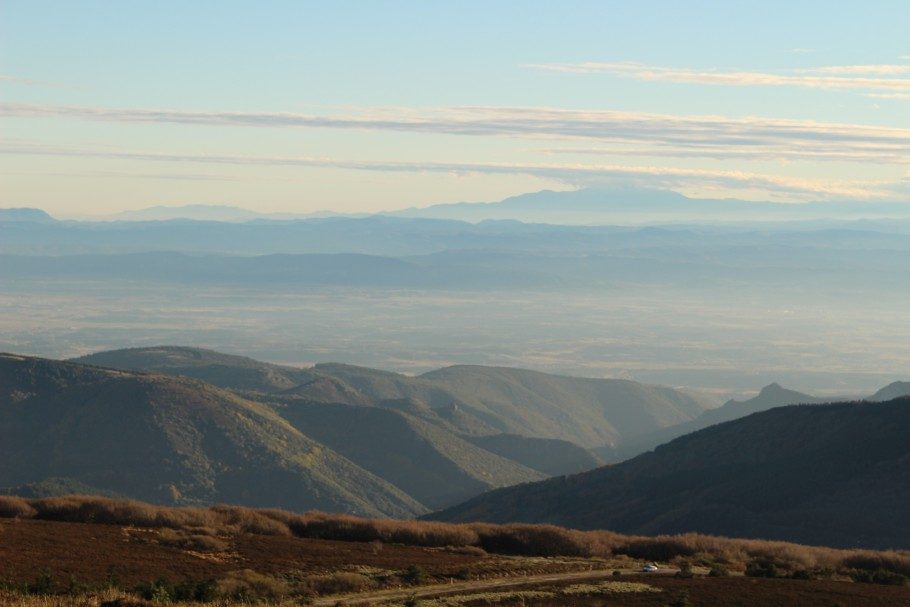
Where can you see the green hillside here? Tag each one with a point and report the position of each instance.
(170, 440)
(217, 368)
(431, 464)
(589, 412)
(473, 400)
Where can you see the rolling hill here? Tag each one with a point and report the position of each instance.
(432, 464)
(836, 475)
(217, 368)
(170, 440)
(465, 399)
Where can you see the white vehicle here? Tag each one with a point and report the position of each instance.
(650, 568)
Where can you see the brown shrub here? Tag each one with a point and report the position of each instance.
(250, 587)
(248, 520)
(660, 548)
(534, 540)
(466, 550)
(350, 528)
(896, 562)
(201, 526)
(15, 507)
(336, 583)
(191, 541)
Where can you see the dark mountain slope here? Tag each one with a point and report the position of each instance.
(170, 440)
(431, 464)
(835, 475)
(772, 395)
(223, 370)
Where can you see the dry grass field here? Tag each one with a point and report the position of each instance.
(96, 551)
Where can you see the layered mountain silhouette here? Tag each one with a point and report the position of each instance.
(466, 399)
(618, 205)
(187, 425)
(834, 475)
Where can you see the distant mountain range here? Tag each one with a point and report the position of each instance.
(24, 214)
(204, 212)
(835, 475)
(625, 206)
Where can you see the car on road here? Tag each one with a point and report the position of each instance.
(650, 568)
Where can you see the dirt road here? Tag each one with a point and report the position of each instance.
(470, 587)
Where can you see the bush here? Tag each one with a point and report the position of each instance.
(661, 548)
(43, 584)
(534, 540)
(414, 575)
(872, 561)
(685, 571)
(336, 583)
(158, 591)
(718, 571)
(251, 587)
(879, 576)
(682, 600)
(762, 568)
(15, 507)
(197, 542)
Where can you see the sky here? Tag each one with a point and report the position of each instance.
(366, 106)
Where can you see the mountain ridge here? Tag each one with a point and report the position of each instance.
(831, 474)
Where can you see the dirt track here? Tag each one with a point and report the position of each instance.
(365, 598)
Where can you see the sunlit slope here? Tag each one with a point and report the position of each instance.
(170, 440)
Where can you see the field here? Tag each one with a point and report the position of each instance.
(81, 550)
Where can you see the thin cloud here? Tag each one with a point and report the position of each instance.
(663, 133)
(576, 174)
(717, 152)
(884, 69)
(817, 79)
(901, 96)
(26, 81)
(17, 80)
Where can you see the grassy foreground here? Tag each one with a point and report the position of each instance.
(79, 550)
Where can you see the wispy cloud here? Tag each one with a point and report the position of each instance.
(662, 134)
(834, 77)
(577, 174)
(900, 96)
(884, 69)
(16, 80)
(25, 81)
(720, 152)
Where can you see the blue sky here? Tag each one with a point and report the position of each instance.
(363, 106)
